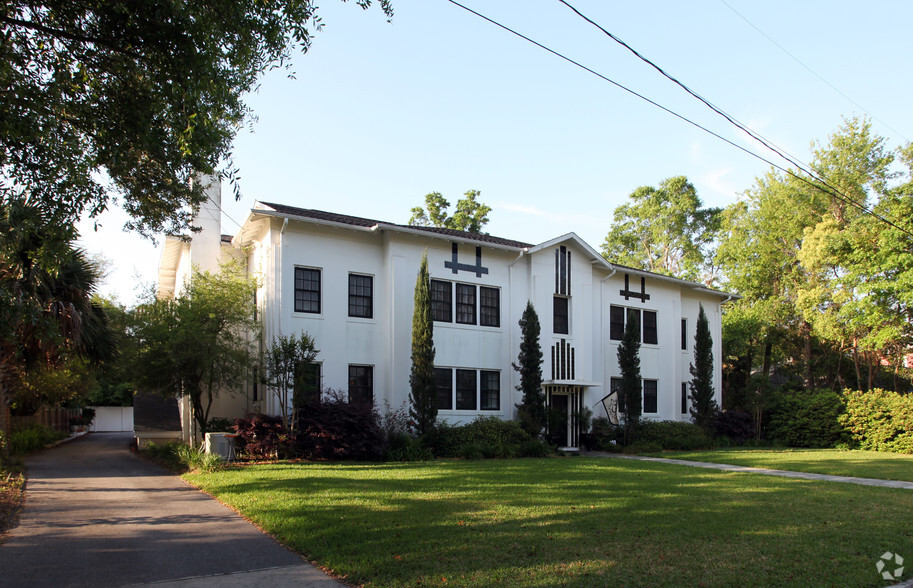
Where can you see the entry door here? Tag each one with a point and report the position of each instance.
(558, 419)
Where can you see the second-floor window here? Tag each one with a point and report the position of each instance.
(619, 316)
(307, 290)
(561, 320)
(465, 304)
(361, 296)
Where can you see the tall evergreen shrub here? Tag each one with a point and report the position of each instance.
(531, 410)
(629, 364)
(423, 393)
(703, 404)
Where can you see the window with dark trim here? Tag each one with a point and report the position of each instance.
(489, 307)
(650, 396)
(685, 334)
(466, 389)
(616, 323)
(466, 304)
(443, 382)
(651, 336)
(684, 398)
(633, 314)
(361, 296)
(441, 301)
(560, 321)
(307, 384)
(361, 384)
(490, 390)
(615, 386)
(307, 290)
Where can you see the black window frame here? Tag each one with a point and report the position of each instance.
(649, 327)
(443, 378)
(358, 390)
(652, 395)
(489, 306)
(490, 386)
(465, 304)
(684, 334)
(684, 398)
(464, 393)
(441, 301)
(304, 282)
(561, 310)
(362, 294)
(616, 322)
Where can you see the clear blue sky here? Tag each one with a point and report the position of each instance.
(379, 114)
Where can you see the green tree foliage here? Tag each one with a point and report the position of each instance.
(286, 360)
(423, 393)
(831, 284)
(665, 230)
(470, 214)
(200, 343)
(133, 97)
(47, 318)
(630, 390)
(531, 410)
(703, 404)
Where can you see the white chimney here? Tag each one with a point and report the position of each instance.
(206, 245)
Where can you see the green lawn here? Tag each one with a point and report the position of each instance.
(570, 521)
(861, 464)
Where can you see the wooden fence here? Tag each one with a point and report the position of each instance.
(54, 417)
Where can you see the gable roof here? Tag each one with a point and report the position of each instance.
(356, 221)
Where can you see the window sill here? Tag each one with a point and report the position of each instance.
(361, 320)
(465, 327)
(310, 315)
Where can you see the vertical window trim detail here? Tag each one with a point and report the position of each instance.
(366, 300)
(303, 281)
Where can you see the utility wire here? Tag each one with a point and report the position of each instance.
(813, 72)
(831, 190)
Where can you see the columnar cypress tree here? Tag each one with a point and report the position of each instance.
(703, 405)
(531, 410)
(629, 364)
(423, 396)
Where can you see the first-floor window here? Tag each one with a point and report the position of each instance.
(490, 390)
(465, 389)
(650, 396)
(443, 382)
(361, 384)
(307, 383)
(684, 398)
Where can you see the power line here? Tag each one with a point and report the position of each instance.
(813, 72)
(832, 190)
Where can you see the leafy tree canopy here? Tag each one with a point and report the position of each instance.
(131, 98)
(470, 215)
(664, 230)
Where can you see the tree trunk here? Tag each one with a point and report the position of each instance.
(856, 365)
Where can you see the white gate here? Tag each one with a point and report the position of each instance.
(112, 418)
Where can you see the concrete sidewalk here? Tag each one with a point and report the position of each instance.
(96, 515)
(764, 471)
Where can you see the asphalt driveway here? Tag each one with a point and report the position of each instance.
(96, 515)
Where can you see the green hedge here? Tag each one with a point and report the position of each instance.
(33, 438)
(806, 419)
(485, 437)
(879, 420)
(675, 435)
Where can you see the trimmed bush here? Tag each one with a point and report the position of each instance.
(261, 436)
(735, 425)
(485, 437)
(337, 429)
(674, 435)
(640, 446)
(879, 420)
(806, 419)
(404, 447)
